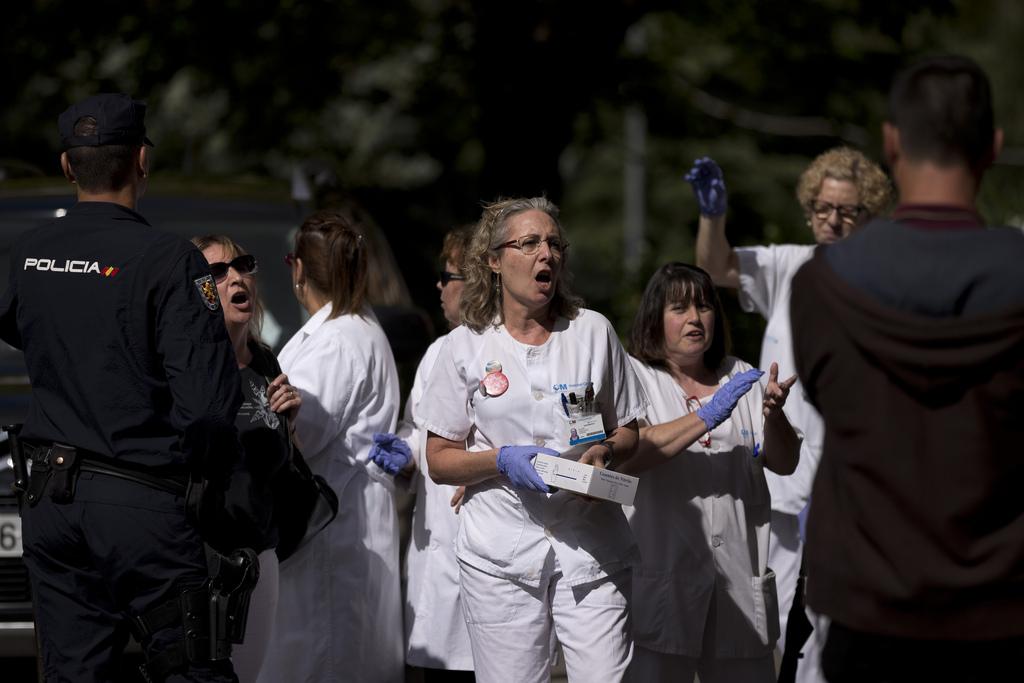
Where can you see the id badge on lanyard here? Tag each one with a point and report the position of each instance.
(585, 422)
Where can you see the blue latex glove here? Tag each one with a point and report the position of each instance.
(717, 410)
(801, 519)
(708, 185)
(390, 452)
(515, 462)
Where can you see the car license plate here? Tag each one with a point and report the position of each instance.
(10, 536)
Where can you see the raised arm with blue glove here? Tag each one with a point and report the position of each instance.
(516, 463)
(708, 185)
(717, 410)
(390, 452)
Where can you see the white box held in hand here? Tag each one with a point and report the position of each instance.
(590, 481)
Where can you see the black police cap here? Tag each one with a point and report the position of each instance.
(120, 120)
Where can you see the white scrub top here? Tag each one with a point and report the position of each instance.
(339, 614)
(513, 533)
(435, 628)
(702, 587)
(765, 277)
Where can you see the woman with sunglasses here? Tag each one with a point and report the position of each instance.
(435, 630)
(339, 617)
(703, 596)
(532, 561)
(264, 436)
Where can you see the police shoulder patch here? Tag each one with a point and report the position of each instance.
(208, 291)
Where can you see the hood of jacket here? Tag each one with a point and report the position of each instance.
(933, 359)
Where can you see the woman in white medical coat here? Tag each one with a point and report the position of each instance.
(435, 631)
(532, 561)
(704, 598)
(339, 614)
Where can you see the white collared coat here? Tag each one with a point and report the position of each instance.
(339, 614)
(516, 534)
(435, 629)
(703, 587)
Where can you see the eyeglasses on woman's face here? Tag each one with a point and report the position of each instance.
(848, 213)
(530, 244)
(244, 265)
(446, 276)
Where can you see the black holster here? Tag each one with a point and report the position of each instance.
(55, 468)
(64, 466)
(213, 616)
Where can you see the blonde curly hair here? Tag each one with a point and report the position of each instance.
(845, 163)
(481, 293)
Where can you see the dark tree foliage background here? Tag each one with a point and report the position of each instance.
(421, 109)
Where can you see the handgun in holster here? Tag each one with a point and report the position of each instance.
(232, 580)
(213, 616)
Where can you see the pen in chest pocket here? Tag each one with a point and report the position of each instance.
(588, 398)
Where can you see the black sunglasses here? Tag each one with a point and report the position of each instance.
(245, 265)
(447, 277)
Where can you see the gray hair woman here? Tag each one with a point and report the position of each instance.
(527, 367)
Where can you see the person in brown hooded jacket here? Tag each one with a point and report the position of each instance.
(909, 338)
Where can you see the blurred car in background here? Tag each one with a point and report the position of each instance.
(265, 227)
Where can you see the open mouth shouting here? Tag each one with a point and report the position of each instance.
(241, 299)
(545, 278)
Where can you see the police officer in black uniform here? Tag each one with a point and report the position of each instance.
(134, 392)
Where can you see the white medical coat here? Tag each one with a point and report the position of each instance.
(435, 629)
(702, 587)
(517, 534)
(339, 614)
(765, 277)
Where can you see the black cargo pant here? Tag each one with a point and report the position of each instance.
(117, 550)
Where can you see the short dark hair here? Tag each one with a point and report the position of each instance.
(942, 107)
(105, 168)
(685, 284)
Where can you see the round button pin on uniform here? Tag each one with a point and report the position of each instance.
(495, 383)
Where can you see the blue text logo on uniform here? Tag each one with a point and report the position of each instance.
(566, 386)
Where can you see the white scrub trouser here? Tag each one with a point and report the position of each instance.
(656, 667)
(510, 626)
(247, 657)
(784, 554)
